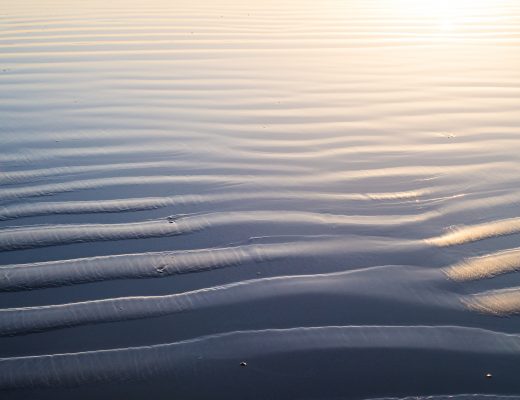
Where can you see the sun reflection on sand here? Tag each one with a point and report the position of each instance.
(447, 16)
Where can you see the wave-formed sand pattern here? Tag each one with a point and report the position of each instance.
(501, 302)
(380, 281)
(474, 233)
(162, 264)
(151, 203)
(248, 181)
(260, 182)
(496, 302)
(55, 235)
(176, 358)
(486, 266)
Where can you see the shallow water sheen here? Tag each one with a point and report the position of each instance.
(259, 199)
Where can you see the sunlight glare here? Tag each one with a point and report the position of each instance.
(447, 15)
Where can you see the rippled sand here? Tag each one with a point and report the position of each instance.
(260, 199)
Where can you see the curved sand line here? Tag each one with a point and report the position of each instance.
(487, 266)
(161, 264)
(55, 235)
(474, 233)
(401, 284)
(136, 363)
(14, 211)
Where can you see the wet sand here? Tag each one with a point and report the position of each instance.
(260, 200)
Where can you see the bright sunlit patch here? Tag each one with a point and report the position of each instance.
(447, 15)
(444, 7)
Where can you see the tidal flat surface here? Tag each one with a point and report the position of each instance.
(259, 199)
